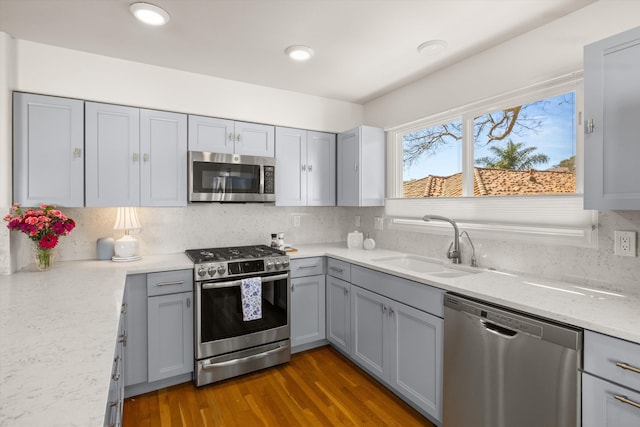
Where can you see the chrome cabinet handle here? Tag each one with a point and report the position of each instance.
(624, 399)
(309, 168)
(238, 137)
(176, 282)
(390, 311)
(135, 157)
(292, 287)
(215, 285)
(116, 373)
(77, 153)
(309, 266)
(628, 367)
(336, 269)
(145, 157)
(123, 308)
(346, 291)
(230, 136)
(384, 307)
(124, 337)
(304, 168)
(188, 302)
(590, 126)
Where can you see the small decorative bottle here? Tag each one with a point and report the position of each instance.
(281, 241)
(274, 240)
(369, 243)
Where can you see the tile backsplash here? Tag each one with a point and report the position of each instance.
(172, 230)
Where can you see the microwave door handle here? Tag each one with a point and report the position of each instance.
(230, 284)
(261, 179)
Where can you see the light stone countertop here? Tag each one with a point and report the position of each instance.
(58, 331)
(58, 328)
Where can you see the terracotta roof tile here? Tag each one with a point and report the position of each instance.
(494, 182)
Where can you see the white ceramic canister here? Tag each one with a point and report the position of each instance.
(354, 240)
(369, 243)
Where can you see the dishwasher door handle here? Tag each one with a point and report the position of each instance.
(498, 330)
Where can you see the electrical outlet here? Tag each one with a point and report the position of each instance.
(357, 220)
(378, 223)
(625, 243)
(296, 221)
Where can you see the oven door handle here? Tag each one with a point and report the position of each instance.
(214, 285)
(243, 359)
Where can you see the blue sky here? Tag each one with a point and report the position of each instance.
(555, 137)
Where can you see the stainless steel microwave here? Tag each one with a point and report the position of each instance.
(219, 177)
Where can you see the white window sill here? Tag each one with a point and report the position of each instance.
(542, 219)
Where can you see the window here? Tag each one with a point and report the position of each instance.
(521, 149)
(510, 164)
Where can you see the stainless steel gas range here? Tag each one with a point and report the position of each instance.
(242, 316)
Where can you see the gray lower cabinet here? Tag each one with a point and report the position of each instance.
(115, 398)
(339, 313)
(307, 303)
(397, 335)
(610, 382)
(159, 350)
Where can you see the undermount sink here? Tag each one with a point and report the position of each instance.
(411, 262)
(420, 264)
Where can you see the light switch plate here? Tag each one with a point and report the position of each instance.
(357, 220)
(296, 221)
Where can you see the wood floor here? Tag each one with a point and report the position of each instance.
(318, 387)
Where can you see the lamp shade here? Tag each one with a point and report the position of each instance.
(127, 219)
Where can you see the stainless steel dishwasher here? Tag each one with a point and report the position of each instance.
(504, 369)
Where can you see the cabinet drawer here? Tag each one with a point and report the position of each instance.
(339, 269)
(612, 358)
(605, 404)
(302, 267)
(169, 282)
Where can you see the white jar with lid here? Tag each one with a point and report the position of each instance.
(354, 240)
(369, 243)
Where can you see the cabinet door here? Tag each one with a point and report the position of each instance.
(321, 169)
(253, 139)
(112, 142)
(307, 310)
(348, 168)
(612, 149)
(135, 352)
(338, 314)
(211, 134)
(291, 159)
(170, 340)
(48, 150)
(416, 344)
(163, 147)
(605, 404)
(368, 345)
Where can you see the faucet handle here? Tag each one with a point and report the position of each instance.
(453, 254)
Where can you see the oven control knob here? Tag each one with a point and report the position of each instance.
(269, 265)
(211, 271)
(277, 263)
(201, 272)
(221, 269)
(285, 263)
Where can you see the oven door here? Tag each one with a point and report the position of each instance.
(220, 327)
(218, 177)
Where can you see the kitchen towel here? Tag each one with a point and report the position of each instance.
(251, 292)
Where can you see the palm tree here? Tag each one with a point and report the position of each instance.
(513, 156)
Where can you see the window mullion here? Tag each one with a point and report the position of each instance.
(467, 155)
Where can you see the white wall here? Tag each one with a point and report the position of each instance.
(542, 54)
(51, 70)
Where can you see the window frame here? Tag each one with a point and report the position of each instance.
(558, 219)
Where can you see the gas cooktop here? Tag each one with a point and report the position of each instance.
(232, 253)
(219, 263)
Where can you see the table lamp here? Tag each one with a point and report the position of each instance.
(126, 247)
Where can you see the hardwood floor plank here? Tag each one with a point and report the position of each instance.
(319, 387)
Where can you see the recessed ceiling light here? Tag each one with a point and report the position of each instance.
(432, 47)
(299, 53)
(149, 13)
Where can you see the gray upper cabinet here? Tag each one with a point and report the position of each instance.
(361, 167)
(112, 141)
(612, 108)
(306, 168)
(48, 144)
(134, 157)
(227, 136)
(163, 170)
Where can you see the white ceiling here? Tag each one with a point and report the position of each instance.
(363, 48)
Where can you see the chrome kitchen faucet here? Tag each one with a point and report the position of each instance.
(453, 253)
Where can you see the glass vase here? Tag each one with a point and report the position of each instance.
(44, 258)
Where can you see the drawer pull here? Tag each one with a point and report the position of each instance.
(309, 266)
(627, 367)
(175, 282)
(336, 269)
(624, 399)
